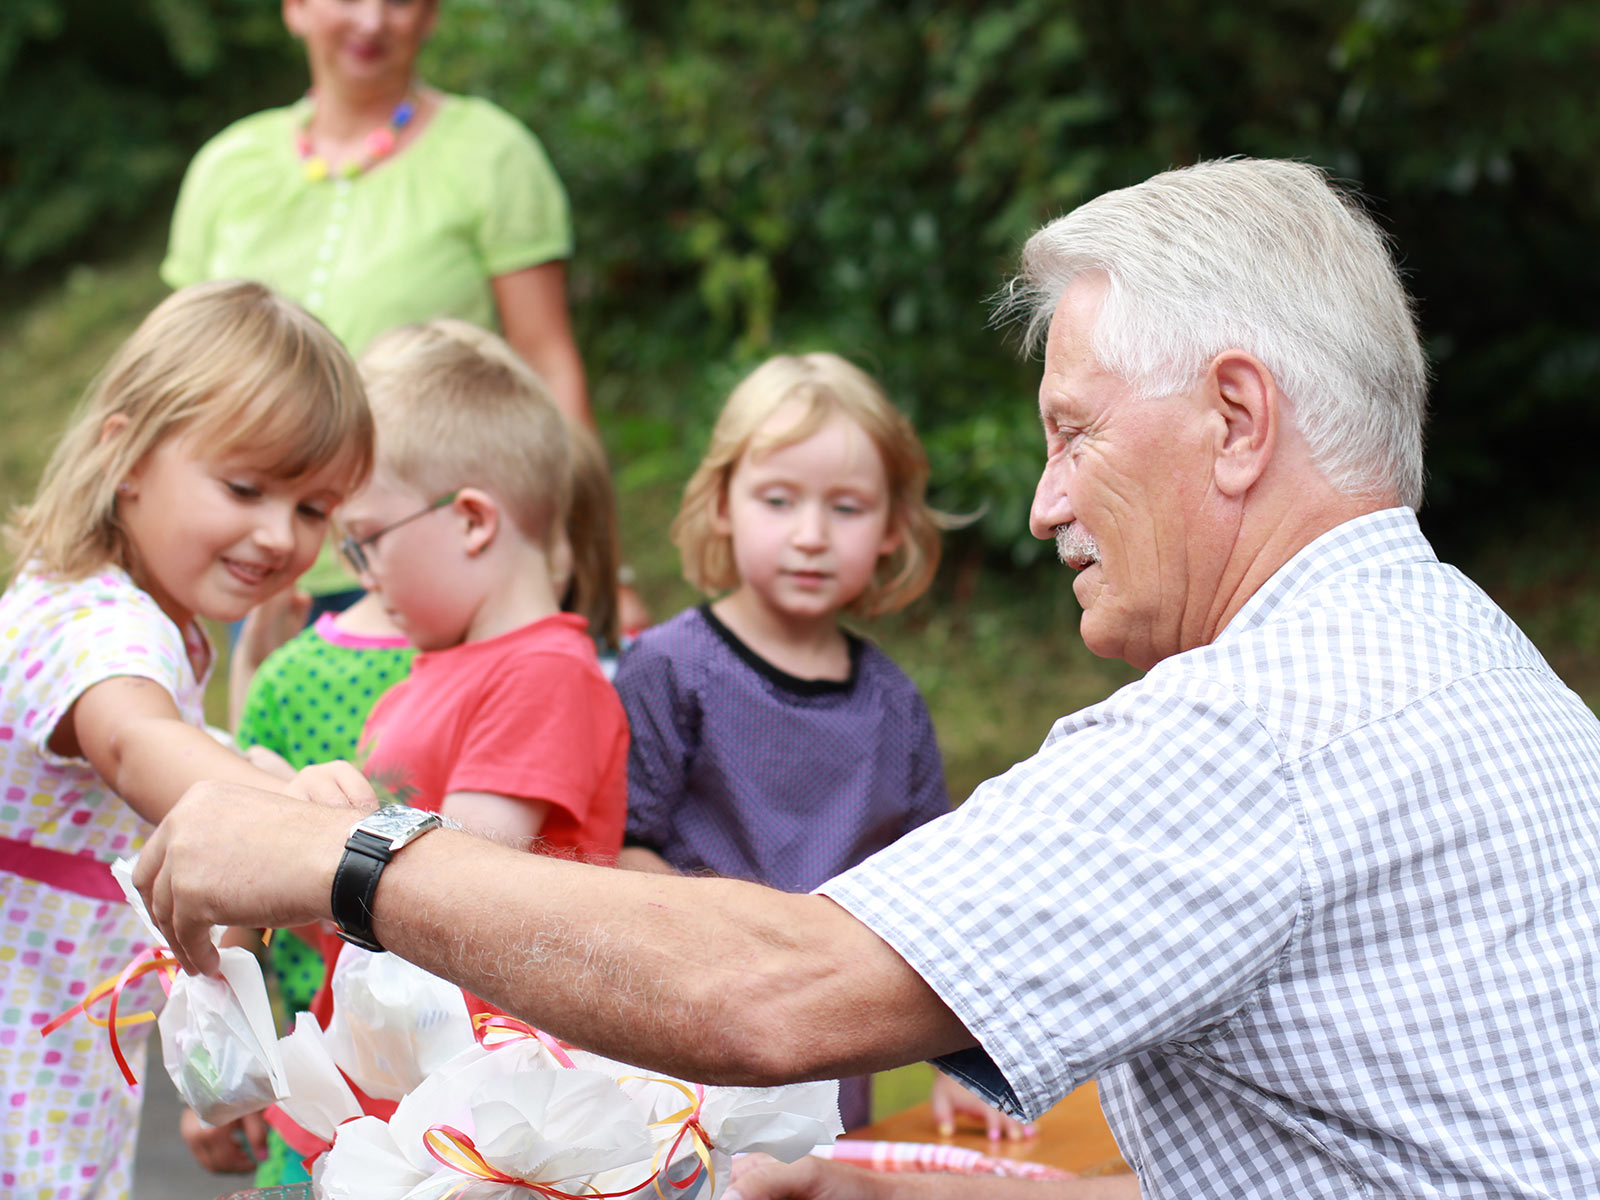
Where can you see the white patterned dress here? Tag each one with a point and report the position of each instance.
(68, 1121)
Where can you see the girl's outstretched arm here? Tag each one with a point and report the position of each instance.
(131, 732)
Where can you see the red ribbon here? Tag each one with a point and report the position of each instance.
(156, 958)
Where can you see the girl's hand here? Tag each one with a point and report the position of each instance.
(335, 784)
(950, 1101)
(269, 761)
(230, 1149)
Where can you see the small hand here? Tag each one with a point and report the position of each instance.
(336, 784)
(950, 1101)
(757, 1177)
(229, 1149)
(269, 761)
(632, 614)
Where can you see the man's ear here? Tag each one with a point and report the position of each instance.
(481, 517)
(1250, 408)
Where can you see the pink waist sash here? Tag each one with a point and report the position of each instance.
(80, 873)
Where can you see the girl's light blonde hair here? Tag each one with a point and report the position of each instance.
(824, 384)
(456, 407)
(230, 363)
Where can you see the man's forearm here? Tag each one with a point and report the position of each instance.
(718, 980)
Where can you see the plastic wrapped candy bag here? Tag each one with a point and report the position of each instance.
(219, 1043)
(218, 1039)
(393, 1023)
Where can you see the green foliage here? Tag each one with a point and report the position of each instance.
(859, 175)
(105, 100)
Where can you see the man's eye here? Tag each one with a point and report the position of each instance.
(244, 491)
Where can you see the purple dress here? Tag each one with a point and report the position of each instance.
(741, 770)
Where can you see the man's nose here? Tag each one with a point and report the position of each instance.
(1051, 509)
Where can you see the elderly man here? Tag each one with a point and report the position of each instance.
(1314, 900)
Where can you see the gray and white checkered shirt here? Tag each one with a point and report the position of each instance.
(1318, 903)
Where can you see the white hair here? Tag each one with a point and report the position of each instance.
(1259, 255)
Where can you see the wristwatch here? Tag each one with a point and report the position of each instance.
(372, 843)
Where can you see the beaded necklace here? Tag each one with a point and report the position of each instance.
(378, 145)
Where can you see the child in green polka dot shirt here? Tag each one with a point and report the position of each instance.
(307, 704)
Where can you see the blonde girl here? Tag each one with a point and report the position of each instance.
(195, 482)
(770, 743)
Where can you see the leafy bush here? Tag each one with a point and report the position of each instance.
(105, 101)
(859, 174)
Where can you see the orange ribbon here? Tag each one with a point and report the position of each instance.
(156, 958)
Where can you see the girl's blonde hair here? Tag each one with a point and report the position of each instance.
(824, 384)
(231, 363)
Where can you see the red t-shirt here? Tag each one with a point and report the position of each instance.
(526, 714)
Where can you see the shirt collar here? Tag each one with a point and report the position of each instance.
(1372, 540)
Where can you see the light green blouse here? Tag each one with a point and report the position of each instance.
(417, 236)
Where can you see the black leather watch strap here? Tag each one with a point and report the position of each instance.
(355, 884)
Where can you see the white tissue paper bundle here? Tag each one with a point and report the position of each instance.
(393, 1023)
(319, 1099)
(218, 1039)
(514, 1114)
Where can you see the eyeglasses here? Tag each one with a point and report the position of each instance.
(354, 549)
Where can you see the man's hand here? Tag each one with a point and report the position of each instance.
(951, 1103)
(232, 855)
(757, 1177)
(230, 1149)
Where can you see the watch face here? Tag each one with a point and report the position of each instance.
(396, 821)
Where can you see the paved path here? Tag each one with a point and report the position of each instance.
(164, 1169)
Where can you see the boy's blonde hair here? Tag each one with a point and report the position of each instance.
(455, 407)
(824, 384)
(231, 363)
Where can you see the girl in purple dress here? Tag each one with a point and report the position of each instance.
(769, 742)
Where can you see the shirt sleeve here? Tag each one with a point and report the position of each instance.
(189, 242)
(548, 741)
(100, 629)
(1127, 887)
(526, 220)
(661, 747)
